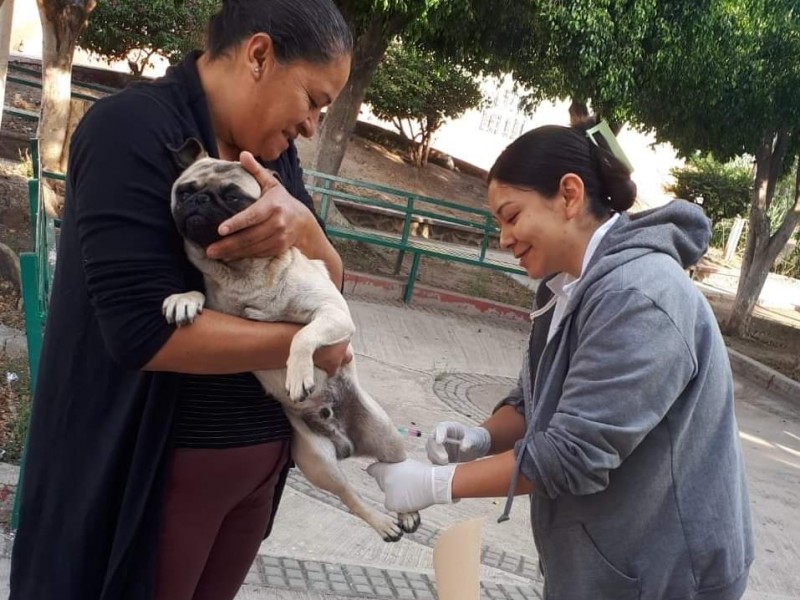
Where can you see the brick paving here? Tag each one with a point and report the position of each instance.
(353, 581)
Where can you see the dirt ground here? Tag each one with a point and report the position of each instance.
(369, 161)
(773, 343)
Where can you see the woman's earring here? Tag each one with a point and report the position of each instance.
(256, 70)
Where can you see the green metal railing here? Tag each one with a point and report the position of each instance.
(412, 207)
(33, 79)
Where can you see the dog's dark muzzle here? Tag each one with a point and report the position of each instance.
(199, 213)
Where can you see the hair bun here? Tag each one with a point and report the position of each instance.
(622, 194)
(618, 187)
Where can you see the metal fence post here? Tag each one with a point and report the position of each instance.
(406, 230)
(29, 266)
(485, 241)
(412, 278)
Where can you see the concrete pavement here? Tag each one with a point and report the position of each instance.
(425, 366)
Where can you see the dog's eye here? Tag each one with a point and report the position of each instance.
(184, 195)
(325, 413)
(231, 192)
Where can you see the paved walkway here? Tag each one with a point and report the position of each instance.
(425, 366)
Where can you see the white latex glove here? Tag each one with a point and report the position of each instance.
(451, 442)
(413, 485)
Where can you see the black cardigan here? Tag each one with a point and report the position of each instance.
(100, 428)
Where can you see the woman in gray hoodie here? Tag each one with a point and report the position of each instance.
(622, 427)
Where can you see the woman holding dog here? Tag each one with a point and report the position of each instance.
(154, 460)
(621, 428)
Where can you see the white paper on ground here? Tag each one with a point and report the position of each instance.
(457, 561)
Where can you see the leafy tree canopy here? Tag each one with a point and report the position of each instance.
(723, 77)
(418, 91)
(135, 30)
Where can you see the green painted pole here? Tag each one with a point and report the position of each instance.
(29, 266)
(412, 278)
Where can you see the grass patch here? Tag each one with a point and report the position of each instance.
(15, 408)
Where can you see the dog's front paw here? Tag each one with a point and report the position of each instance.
(182, 309)
(299, 379)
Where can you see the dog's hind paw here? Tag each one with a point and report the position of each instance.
(389, 529)
(393, 534)
(409, 522)
(182, 309)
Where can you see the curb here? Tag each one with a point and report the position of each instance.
(765, 377)
(383, 288)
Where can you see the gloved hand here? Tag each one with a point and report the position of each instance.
(413, 485)
(454, 442)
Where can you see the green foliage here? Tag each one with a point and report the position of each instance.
(418, 91)
(586, 50)
(726, 189)
(590, 51)
(789, 266)
(720, 74)
(134, 30)
(784, 199)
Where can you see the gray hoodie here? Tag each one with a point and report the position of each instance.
(632, 443)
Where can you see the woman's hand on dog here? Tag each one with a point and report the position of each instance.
(269, 227)
(331, 358)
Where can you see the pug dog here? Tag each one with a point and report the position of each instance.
(333, 417)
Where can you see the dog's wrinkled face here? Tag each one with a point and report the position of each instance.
(208, 192)
(332, 412)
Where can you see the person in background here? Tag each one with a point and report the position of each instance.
(155, 461)
(622, 427)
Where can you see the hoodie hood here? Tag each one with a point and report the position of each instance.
(679, 229)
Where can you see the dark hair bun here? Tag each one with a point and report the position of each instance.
(623, 195)
(615, 178)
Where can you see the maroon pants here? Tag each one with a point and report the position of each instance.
(218, 506)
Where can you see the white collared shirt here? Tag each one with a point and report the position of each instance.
(563, 284)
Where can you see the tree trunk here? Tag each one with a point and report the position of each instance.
(341, 116)
(578, 113)
(340, 119)
(763, 248)
(425, 145)
(136, 71)
(62, 23)
(6, 16)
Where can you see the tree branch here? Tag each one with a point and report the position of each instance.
(786, 229)
(781, 146)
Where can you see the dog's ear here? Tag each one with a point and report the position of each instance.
(191, 151)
